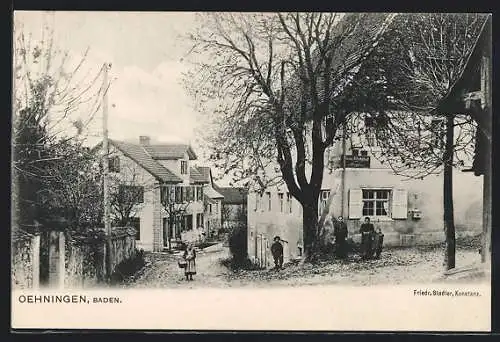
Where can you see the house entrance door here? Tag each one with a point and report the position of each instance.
(189, 222)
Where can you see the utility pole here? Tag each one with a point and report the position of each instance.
(107, 214)
(342, 199)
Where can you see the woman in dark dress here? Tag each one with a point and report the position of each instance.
(367, 231)
(340, 232)
(190, 257)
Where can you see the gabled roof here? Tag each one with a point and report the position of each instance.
(232, 195)
(200, 174)
(138, 154)
(211, 193)
(170, 151)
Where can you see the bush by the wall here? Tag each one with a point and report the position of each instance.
(238, 243)
(129, 267)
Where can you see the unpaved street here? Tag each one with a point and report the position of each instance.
(396, 266)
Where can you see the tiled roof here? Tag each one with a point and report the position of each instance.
(211, 193)
(199, 174)
(138, 154)
(170, 151)
(232, 195)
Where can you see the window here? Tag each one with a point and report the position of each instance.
(199, 220)
(280, 196)
(376, 202)
(210, 208)
(178, 194)
(199, 193)
(268, 195)
(216, 207)
(289, 202)
(323, 198)
(114, 164)
(135, 222)
(184, 167)
(131, 193)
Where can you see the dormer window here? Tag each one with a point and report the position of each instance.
(184, 167)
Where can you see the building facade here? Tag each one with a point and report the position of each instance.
(160, 191)
(408, 211)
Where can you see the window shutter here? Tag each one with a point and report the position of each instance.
(355, 203)
(400, 204)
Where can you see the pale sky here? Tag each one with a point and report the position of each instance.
(146, 52)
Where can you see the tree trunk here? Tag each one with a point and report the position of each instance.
(449, 224)
(310, 229)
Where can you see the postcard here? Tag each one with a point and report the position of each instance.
(251, 171)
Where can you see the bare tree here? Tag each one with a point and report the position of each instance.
(51, 88)
(275, 81)
(73, 192)
(127, 190)
(417, 63)
(175, 203)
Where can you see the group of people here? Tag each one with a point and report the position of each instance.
(371, 239)
(371, 242)
(371, 246)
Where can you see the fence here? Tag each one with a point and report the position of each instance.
(25, 260)
(61, 260)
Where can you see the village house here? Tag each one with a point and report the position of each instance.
(408, 211)
(172, 192)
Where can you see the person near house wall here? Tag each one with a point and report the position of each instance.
(277, 252)
(340, 233)
(367, 231)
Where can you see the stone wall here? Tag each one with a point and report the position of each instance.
(25, 260)
(91, 259)
(121, 247)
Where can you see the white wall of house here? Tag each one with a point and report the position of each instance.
(174, 165)
(269, 216)
(212, 216)
(132, 173)
(403, 196)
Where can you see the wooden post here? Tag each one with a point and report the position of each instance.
(56, 259)
(487, 126)
(35, 261)
(107, 207)
(62, 260)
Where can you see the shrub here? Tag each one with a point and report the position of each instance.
(129, 267)
(243, 264)
(238, 243)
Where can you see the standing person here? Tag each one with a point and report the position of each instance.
(367, 230)
(277, 252)
(340, 232)
(378, 242)
(190, 257)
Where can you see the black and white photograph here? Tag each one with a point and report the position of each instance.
(184, 152)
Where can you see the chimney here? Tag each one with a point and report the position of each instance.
(144, 140)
